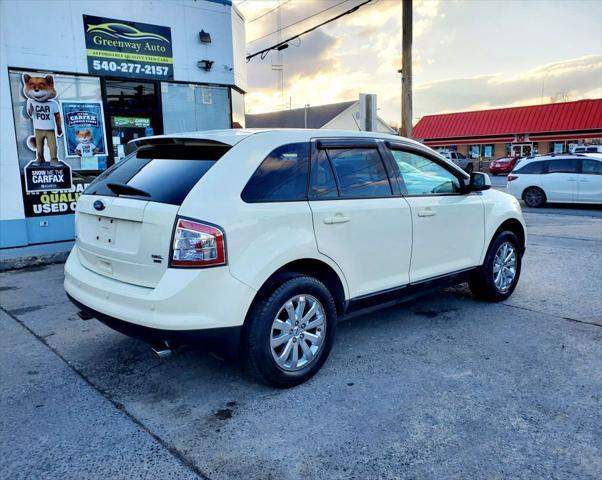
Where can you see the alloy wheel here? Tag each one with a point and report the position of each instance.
(533, 197)
(298, 332)
(504, 267)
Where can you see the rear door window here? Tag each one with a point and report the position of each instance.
(360, 172)
(281, 177)
(323, 184)
(562, 165)
(162, 173)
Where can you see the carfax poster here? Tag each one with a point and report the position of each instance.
(85, 133)
(45, 132)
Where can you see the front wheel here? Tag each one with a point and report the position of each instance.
(497, 278)
(469, 168)
(290, 332)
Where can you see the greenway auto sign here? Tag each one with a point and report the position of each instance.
(128, 49)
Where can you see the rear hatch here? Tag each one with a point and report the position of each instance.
(125, 218)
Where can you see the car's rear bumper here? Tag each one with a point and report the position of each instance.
(183, 300)
(227, 336)
(494, 170)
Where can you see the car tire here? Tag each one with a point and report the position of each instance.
(265, 341)
(491, 282)
(469, 168)
(534, 197)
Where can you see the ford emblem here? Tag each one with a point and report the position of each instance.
(99, 205)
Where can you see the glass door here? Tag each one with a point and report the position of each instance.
(133, 111)
(522, 149)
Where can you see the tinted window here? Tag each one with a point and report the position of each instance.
(423, 176)
(592, 167)
(532, 168)
(323, 184)
(163, 174)
(562, 165)
(281, 177)
(360, 172)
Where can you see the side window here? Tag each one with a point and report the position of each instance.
(563, 165)
(360, 172)
(459, 155)
(323, 184)
(423, 176)
(532, 168)
(281, 177)
(592, 167)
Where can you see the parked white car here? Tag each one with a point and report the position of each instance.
(557, 179)
(261, 240)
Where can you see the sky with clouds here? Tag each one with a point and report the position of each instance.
(468, 54)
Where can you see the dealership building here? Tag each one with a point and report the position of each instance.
(80, 79)
(539, 129)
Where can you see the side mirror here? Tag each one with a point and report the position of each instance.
(479, 182)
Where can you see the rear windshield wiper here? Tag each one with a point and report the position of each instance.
(122, 188)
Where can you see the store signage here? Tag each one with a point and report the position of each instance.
(130, 122)
(119, 48)
(45, 176)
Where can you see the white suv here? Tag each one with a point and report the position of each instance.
(261, 240)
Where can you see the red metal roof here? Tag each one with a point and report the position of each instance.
(554, 117)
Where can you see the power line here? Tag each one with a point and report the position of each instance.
(269, 11)
(347, 12)
(300, 21)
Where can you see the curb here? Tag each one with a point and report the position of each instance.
(18, 263)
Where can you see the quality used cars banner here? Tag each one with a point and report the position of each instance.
(128, 49)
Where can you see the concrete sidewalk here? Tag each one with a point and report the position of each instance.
(55, 424)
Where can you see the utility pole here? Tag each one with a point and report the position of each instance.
(406, 70)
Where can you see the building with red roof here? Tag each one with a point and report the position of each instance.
(500, 132)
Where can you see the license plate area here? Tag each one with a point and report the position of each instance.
(106, 231)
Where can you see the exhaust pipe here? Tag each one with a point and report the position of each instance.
(162, 349)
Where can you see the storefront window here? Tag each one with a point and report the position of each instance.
(238, 109)
(77, 100)
(61, 137)
(474, 151)
(189, 108)
(488, 150)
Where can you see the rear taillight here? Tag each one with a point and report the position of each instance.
(511, 177)
(197, 244)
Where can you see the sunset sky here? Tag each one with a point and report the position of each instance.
(468, 54)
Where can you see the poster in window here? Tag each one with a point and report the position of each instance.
(488, 151)
(48, 185)
(85, 133)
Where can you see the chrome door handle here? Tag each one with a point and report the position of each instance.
(338, 218)
(427, 213)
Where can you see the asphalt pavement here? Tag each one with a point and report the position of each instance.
(442, 387)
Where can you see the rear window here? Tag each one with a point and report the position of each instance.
(163, 174)
(281, 177)
(533, 168)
